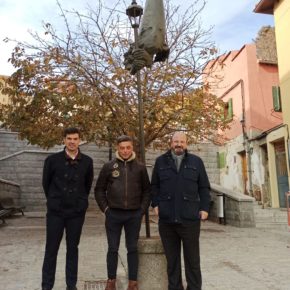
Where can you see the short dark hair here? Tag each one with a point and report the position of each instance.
(71, 130)
(124, 138)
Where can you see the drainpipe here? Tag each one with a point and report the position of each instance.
(246, 141)
(288, 154)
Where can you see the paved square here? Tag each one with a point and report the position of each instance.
(95, 285)
(231, 258)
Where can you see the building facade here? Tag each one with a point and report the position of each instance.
(252, 156)
(281, 11)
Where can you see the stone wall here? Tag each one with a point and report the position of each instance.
(238, 208)
(10, 144)
(10, 193)
(26, 168)
(207, 151)
(266, 45)
(22, 164)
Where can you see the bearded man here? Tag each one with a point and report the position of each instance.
(181, 199)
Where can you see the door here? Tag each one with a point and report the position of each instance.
(265, 196)
(281, 169)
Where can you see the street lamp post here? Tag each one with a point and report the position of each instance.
(135, 12)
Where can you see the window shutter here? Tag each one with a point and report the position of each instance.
(276, 99)
(221, 159)
(223, 111)
(230, 109)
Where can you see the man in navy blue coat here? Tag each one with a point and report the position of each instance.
(181, 199)
(67, 180)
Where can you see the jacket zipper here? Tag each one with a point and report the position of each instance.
(126, 186)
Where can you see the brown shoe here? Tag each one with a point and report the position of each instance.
(111, 284)
(133, 285)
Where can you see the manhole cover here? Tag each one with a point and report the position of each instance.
(95, 285)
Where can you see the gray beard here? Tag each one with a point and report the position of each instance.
(178, 153)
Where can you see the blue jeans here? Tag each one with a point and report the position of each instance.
(116, 219)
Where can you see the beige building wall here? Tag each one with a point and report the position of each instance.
(282, 28)
(281, 11)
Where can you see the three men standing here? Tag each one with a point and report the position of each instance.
(67, 180)
(181, 199)
(123, 193)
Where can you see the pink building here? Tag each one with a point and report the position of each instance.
(249, 86)
(246, 85)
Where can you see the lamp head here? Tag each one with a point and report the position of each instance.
(134, 12)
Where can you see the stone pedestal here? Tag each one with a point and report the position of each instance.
(152, 264)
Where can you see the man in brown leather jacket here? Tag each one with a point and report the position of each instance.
(123, 194)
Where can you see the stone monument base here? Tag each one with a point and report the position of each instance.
(152, 264)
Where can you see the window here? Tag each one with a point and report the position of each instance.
(221, 159)
(228, 110)
(276, 99)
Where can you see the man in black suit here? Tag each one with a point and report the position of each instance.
(181, 198)
(67, 180)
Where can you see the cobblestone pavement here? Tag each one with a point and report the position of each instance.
(232, 258)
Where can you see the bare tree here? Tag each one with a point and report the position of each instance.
(78, 78)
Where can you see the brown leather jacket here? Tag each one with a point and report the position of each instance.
(123, 185)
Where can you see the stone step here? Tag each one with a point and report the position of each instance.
(273, 225)
(270, 217)
(269, 213)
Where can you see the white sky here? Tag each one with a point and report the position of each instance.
(234, 21)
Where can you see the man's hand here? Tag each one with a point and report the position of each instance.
(105, 211)
(156, 210)
(203, 215)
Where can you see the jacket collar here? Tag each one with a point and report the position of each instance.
(170, 161)
(67, 157)
(133, 156)
(169, 155)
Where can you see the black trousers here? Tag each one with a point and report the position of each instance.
(55, 227)
(116, 219)
(172, 235)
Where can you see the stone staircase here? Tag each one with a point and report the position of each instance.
(271, 218)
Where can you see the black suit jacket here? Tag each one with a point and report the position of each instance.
(67, 182)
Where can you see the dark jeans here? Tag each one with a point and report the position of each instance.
(172, 235)
(55, 226)
(116, 219)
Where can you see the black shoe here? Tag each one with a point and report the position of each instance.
(71, 288)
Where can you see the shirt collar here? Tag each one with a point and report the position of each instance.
(70, 157)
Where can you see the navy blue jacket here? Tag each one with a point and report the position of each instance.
(67, 183)
(180, 195)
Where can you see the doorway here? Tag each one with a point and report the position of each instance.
(281, 170)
